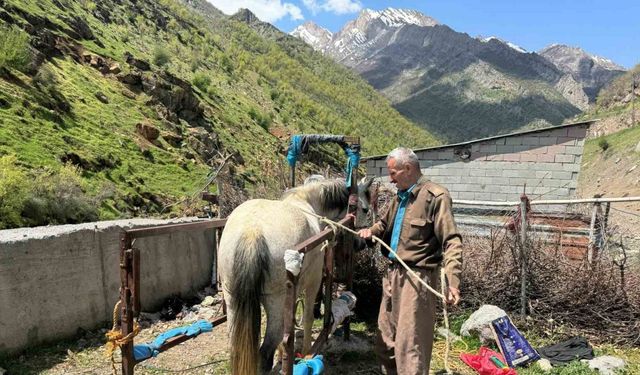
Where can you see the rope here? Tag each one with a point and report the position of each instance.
(116, 340)
(447, 348)
(334, 224)
(381, 242)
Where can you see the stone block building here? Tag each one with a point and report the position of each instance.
(546, 161)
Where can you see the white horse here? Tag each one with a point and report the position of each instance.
(251, 266)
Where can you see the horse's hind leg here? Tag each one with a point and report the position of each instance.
(273, 306)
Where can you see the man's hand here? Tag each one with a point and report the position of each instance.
(453, 295)
(365, 233)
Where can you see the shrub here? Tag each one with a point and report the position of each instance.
(261, 119)
(202, 81)
(14, 48)
(604, 144)
(14, 190)
(161, 56)
(59, 198)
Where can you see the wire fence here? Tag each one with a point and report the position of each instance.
(564, 265)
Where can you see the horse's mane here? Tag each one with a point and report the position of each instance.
(329, 194)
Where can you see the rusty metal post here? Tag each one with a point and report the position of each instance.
(135, 290)
(127, 281)
(592, 232)
(289, 324)
(523, 254)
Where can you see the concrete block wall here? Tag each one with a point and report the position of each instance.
(55, 280)
(496, 169)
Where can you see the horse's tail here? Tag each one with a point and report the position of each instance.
(250, 267)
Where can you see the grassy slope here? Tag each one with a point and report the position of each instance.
(288, 86)
(480, 101)
(611, 171)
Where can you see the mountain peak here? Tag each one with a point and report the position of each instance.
(564, 54)
(393, 17)
(245, 15)
(512, 45)
(313, 34)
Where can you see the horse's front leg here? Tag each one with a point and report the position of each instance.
(307, 318)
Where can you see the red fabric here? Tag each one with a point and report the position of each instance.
(481, 362)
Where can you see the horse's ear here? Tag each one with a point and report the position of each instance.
(365, 183)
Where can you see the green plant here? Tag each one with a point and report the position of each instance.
(161, 56)
(59, 198)
(202, 81)
(14, 48)
(14, 190)
(603, 144)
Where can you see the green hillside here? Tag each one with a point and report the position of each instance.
(122, 108)
(612, 155)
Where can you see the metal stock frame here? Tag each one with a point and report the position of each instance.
(130, 280)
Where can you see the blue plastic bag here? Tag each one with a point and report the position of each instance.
(514, 347)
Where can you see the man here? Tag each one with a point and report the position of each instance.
(419, 227)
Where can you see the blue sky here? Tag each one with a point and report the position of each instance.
(609, 29)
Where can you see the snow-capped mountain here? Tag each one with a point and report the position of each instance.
(314, 35)
(514, 46)
(456, 85)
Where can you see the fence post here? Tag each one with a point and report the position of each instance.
(592, 232)
(126, 313)
(289, 324)
(523, 254)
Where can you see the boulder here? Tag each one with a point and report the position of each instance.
(114, 68)
(480, 322)
(140, 64)
(148, 131)
(102, 97)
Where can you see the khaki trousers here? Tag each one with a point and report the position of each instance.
(406, 321)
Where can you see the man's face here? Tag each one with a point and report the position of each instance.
(400, 175)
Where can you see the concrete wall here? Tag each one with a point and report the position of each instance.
(54, 280)
(496, 169)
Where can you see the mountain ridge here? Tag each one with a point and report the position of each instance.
(411, 64)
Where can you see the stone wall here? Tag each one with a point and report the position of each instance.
(497, 169)
(55, 280)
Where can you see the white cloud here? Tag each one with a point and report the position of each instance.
(333, 6)
(266, 10)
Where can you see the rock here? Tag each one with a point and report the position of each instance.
(208, 301)
(632, 169)
(606, 364)
(81, 29)
(134, 78)
(101, 97)
(638, 147)
(480, 322)
(174, 140)
(544, 365)
(618, 160)
(114, 68)
(128, 94)
(148, 131)
(452, 336)
(140, 64)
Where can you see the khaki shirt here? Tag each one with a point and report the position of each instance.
(429, 233)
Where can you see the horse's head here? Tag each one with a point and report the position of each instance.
(366, 202)
(330, 198)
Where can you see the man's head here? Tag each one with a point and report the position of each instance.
(404, 167)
